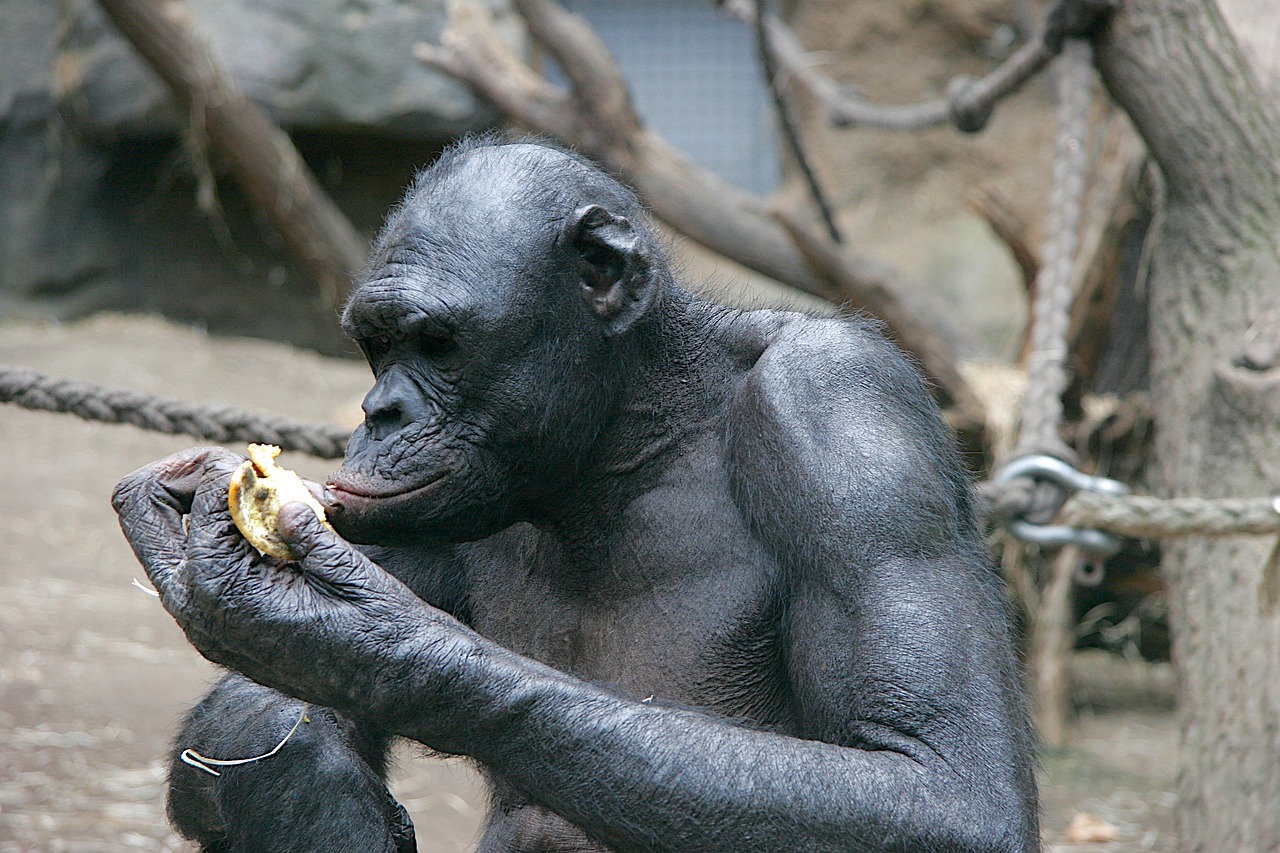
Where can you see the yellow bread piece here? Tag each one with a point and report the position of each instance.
(258, 489)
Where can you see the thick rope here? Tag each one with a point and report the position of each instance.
(221, 424)
(1051, 308)
(1124, 516)
(1137, 516)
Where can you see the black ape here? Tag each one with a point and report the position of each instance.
(699, 579)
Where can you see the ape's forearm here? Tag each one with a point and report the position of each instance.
(646, 777)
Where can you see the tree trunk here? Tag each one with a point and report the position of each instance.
(1215, 327)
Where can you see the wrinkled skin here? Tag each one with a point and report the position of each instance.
(678, 577)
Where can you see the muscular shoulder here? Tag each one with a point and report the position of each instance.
(838, 387)
(833, 428)
(808, 360)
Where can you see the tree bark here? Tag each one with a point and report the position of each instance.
(1215, 319)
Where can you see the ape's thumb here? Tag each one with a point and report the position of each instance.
(321, 552)
(303, 531)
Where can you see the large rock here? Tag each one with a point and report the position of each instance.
(106, 201)
(319, 65)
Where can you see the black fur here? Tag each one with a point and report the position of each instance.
(706, 579)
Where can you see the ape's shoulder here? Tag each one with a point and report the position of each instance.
(819, 366)
(833, 434)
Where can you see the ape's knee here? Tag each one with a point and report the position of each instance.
(321, 789)
(317, 796)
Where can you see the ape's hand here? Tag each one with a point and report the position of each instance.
(332, 627)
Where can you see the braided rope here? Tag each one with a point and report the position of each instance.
(1051, 308)
(1147, 517)
(223, 424)
(1125, 516)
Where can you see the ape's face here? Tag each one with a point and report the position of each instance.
(487, 316)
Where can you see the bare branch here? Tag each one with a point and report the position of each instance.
(968, 103)
(993, 207)
(473, 52)
(787, 124)
(598, 86)
(604, 126)
(259, 154)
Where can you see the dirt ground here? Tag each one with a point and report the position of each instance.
(94, 675)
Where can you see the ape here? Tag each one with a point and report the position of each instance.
(677, 576)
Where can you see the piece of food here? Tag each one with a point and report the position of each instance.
(258, 489)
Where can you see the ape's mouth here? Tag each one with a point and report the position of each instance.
(372, 511)
(342, 490)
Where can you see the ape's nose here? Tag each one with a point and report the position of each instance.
(395, 402)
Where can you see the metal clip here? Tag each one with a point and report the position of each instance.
(1039, 467)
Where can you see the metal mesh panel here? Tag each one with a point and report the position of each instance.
(694, 78)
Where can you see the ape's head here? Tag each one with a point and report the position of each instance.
(493, 312)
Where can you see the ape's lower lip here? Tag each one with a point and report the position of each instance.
(342, 491)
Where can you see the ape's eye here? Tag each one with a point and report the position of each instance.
(434, 344)
(375, 349)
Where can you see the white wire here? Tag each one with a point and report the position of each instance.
(201, 762)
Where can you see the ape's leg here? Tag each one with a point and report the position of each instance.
(323, 790)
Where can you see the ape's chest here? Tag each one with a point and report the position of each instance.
(687, 616)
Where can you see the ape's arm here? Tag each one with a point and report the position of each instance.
(896, 649)
(900, 662)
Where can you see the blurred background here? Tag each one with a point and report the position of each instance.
(135, 253)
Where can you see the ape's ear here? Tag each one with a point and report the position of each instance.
(617, 283)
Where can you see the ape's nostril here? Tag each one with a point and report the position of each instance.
(385, 420)
(395, 402)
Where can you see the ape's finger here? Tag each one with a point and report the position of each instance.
(217, 550)
(322, 553)
(151, 503)
(210, 498)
